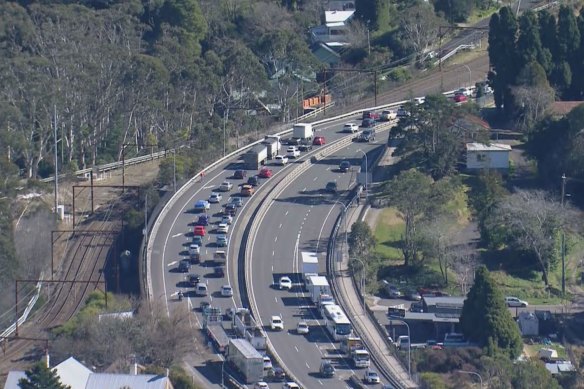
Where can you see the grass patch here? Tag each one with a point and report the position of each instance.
(533, 349)
(388, 232)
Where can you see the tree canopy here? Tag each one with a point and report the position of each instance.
(41, 377)
(485, 318)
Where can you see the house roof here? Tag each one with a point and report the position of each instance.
(73, 373)
(12, 380)
(142, 381)
(561, 108)
(337, 16)
(484, 147)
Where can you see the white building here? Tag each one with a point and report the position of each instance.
(334, 33)
(481, 156)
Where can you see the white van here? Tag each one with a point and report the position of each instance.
(201, 289)
(403, 342)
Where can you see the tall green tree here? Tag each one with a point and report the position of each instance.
(41, 377)
(485, 318)
(374, 13)
(361, 240)
(548, 37)
(529, 47)
(568, 37)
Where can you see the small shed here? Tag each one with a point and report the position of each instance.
(547, 354)
(528, 324)
(493, 156)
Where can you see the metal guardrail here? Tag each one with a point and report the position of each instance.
(26, 312)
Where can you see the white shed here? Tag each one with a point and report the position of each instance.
(482, 156)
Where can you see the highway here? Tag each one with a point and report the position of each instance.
(300, 219)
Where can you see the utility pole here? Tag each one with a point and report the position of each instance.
(56, 162)
(563, 239)
(174, 170)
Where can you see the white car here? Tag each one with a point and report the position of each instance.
(276, 323)
(515, 302)
(281, 160)
(215, 197)
(267, 363)
(261, 385)
(225, 186)
(226, 291)
(223, 228)
(419, 100)
(227, 219)
(290, 385)
(302, 328)
(285, 283)
(468, 92)
(293, 152)
(371, 377)
(350, 127)
(194, 249)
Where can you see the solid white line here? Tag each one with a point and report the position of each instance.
(273, 253)
(320, 382)
(276, 239)
(286, 214)
(280, 225)
(296, 347)
(172, 263)
(307, 365)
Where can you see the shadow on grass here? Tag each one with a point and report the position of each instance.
(515, 263)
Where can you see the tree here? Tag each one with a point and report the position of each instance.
(374, 13)
(529, 47)
(41, 377)
(435, 240)
(533, 96)
(361, 240)
(532, 220)
(485, 318)
(418, 28)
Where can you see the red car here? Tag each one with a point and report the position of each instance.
(200, 231)
(318, 141)
(460, 98)
(265, 172)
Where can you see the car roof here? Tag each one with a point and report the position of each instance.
(276, 317)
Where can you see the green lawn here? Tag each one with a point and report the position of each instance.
(388, 233)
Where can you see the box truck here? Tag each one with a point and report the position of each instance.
(317, 286)
(302, 131)
(246, 359)
(309, 264)
(255, 157)
(273, 145)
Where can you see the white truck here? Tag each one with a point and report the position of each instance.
(273, 144)
(360, 358)
(302, 131)
(309, 264)
(255, 157)
(317, 286)
(246, 359)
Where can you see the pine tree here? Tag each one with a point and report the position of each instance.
(41, 377)
(485, 318)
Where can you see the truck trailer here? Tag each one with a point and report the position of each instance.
(302, 131)
(273, 144)
(309, 264)
(256, 157)
(317, 286)
(246, 359)
(218, 336)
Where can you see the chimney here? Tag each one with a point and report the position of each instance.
(134, 369)
(167, 372)
(47, 359)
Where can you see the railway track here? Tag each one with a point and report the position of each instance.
(85, 260)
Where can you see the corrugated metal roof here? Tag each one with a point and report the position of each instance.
(444, 300)
(485, 147)
(116, 381)
(73, 373)
(245, 347)
(337, 16)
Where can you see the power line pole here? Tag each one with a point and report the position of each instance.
(563, 239)
(56, 161)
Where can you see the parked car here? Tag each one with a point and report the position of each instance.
(392, 290)
(331, 187)
(368, 123)
(388, 115)
(223, 228)
(302, 328)
(515, 302)
(281, 160)
(253, 181)
(222, 241)
(460, 98)
(226, 291)
(276, 323)
(202, 205)
(468, 92)
(265, 173)
(199, 231)
(371, 377)
(412, 295)
(344, 166)
(184, 266)
(319, 141)
(292, 152)
(240, 174)
(203, 220)
(350, 127)
(225, 186)
(285, 283)
(247, 190)
(215, 197)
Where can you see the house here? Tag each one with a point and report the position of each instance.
(334, 32)
(559, 109)
(74, 374)
(494, 156)
(560, 367)
(528, 324)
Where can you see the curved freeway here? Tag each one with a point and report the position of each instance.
(299, 210)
